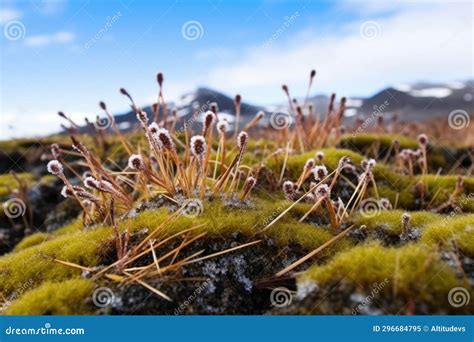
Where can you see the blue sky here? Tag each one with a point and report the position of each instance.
(68, 55)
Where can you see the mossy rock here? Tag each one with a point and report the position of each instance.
(70, 297)
(32, 240)
(411, 276)
(391, 220)
(34, 257)
(37, 262)
(452, 231)
(363, 142)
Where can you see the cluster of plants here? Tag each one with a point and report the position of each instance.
(149, 196)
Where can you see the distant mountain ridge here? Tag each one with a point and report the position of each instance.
(422, 101)
(419, 101)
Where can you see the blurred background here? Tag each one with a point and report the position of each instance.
(414, 58)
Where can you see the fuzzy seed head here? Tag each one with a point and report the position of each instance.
(343, 162)
(238, 99)
(385, 204)
(406, 219)
(153, 128)
(249, 184)
(252, 181)
(423, 140)
(405, 154)
(160, 78)
(164, 137)
(66, 192)
(322, 191)
(320, 156)
(209, 120)
(242, 139)
(288, 189)
(91, 183)
(136, 162)
(319, 172)
(198, 146)
(142, 117)
(223, 126)
(101, 185)
(309, 164)
(214, 107)
(55, 167)
(310, 198)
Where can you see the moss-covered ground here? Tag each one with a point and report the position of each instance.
(418, 271)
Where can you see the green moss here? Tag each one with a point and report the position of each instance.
(455, 228)
(410, 272)
(62, 298)
(8, 182)
(441, 186)
(391, 220)
(362, 142)
(220, 221)
(36, 262)
(437, 188)
(32, 240)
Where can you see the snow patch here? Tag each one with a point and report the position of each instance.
(432, 92)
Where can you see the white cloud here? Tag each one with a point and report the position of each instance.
(47, 39)
(48, 7)
(8, 14)
(417, 41)
(22, 122)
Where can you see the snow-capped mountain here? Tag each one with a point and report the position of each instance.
(418, 101)
(422, 101)
(196, 103)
